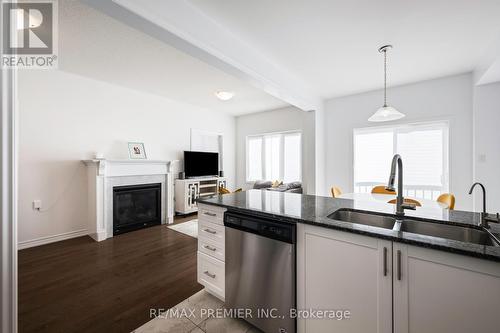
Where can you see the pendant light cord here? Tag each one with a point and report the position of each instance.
(385, 113)
(385, 78)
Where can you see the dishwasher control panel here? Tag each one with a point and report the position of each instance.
(261, 226)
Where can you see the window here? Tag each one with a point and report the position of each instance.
(276, 156)
(423, 147)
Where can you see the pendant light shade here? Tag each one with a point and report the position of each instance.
(386, 112)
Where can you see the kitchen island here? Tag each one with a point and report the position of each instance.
(388, 279)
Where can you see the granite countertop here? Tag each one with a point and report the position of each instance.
(314, 210)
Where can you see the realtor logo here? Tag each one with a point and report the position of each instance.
(29, 34)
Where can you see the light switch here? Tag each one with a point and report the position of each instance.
(37, 204)
(481, 158)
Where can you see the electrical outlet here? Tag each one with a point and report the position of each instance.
(37, 204)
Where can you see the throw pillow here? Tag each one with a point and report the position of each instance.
(277, 183)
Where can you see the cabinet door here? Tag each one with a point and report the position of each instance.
(438, 291)
(221, 182)
(344, 271)
(193, 194)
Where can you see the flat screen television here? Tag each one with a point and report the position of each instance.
(201, 164)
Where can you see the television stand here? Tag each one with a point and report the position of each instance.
(187, 191)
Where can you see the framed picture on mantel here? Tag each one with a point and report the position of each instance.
(136, 151)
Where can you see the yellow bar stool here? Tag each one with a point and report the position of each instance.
(336, 191)
(447, 199)
(407, 200)
(382, 190)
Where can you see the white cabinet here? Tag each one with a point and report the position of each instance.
(344, 271)
(187, 191)
(385, 284)
(210, 230)
(211, 274)
(211, 249)
(438, 291)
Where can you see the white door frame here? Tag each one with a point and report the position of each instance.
(8, 197)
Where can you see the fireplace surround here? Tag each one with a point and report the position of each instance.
(104, 175)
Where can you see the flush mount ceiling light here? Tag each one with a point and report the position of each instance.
(224, 95)
(386, 112)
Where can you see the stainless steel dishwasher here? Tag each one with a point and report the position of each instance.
(260, 271)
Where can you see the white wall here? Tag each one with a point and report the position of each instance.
(65, 118)
(285, 119)
(447, 98)
(487, 145)
(320, 153)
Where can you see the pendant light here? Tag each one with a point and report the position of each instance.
(386, 112)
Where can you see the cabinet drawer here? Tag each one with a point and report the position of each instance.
(211, 248)
(212, 231)
(211, 214)
(211, 274)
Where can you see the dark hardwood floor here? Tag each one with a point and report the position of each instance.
(79, 285)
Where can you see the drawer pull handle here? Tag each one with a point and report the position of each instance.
(207, 273)
(210, 231)
(210, 214)
(208, 247)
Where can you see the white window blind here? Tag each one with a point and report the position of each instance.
(276, 156)
(254, 149)
(423, 147)
(272, 156)
(292, 157)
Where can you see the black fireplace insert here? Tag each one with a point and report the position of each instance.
(136, 207)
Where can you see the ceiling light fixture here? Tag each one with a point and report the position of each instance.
(224, 95)
(385, 113)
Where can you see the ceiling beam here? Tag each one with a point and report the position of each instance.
(185, 27)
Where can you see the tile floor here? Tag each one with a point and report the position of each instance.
(198, 322)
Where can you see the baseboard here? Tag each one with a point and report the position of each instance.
(51, 239)
(99, 236)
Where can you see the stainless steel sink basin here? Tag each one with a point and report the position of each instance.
(462, 234)
(419, 227)
(373, 220)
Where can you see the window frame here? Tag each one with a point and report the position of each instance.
(282, 135)
(407, 127)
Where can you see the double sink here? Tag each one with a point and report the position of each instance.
(473, 235)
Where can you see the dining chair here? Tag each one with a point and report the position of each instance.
(447, 199)
(380, 189)
(407, 200)
(336, 191)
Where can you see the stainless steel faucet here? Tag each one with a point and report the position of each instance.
(485, 218)
(400, 204)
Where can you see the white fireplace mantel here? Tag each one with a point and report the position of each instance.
(103, 175)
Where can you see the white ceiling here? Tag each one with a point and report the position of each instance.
(95, 45)
(332, 44)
